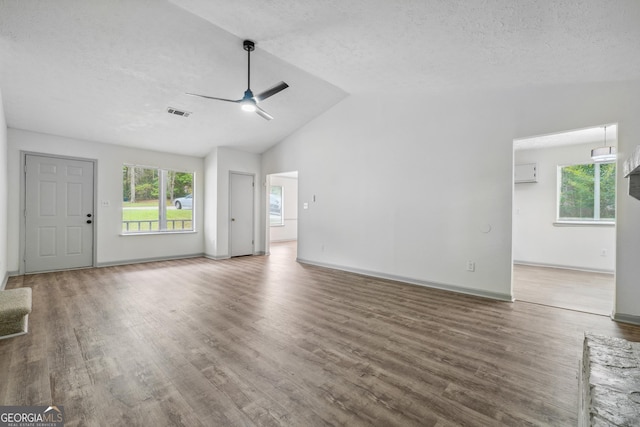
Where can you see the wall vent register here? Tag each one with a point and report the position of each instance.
(172, 110)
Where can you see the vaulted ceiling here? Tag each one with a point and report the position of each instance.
(107, 70)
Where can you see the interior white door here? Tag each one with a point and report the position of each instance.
(58, 213)
(241, 193)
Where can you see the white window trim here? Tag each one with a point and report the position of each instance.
(162, 211)
(581, 222)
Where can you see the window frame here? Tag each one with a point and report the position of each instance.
(162, 220)
(596, 220)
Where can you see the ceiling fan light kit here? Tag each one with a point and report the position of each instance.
(249, 102)
(604, 154)
(248, 106)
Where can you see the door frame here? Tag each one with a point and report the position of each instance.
(253, 213)
(23, 204)
(515, 211)
(266, 209)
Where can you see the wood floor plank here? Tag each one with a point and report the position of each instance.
(265, 341)
(592, 292)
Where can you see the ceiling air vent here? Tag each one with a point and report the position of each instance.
(172, 110)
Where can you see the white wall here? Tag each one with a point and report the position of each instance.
(219, 165)
(288, 231)
(4, 187)
(421, 178)
(111, 246)
(535, 238)
(398, 195)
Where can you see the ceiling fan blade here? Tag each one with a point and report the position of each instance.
(213, 97)
(263, 114)
(270, 92)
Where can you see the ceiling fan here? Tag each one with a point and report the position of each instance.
(249, 102)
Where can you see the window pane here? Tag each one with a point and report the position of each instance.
(608, 191)
(576, 192)
(578, 200)
(142, 190)
(140, 199)
(275, 206)
(179, 201)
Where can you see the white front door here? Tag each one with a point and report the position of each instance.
(58, 213)
(241, 192)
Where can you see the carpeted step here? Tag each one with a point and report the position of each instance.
(15, 306)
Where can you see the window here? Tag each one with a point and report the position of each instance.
(156, 200)
(275, 206)
(587, 192)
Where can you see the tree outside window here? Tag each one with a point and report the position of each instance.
(587, 192)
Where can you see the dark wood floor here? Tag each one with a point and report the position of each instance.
(264, 341)
(571, 289)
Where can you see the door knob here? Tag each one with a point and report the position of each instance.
(88, 221)
(233, 219)
(88, 215)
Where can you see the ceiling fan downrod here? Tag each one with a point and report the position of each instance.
(249, 46)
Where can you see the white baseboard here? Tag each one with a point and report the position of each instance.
(221, 257)
(216, 257)
(564, 267)
(442, 286)
(145, 260)
(626, 318)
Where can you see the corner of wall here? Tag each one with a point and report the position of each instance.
(626, 318)
(210, 202)
(4, 188)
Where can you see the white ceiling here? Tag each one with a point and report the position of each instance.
(106, 70)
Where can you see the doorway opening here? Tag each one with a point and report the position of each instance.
(282, 212)
(564, 227)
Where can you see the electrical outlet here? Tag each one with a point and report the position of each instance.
(471, 266)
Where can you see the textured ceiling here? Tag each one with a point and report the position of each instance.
(427, 45)
(106, 70)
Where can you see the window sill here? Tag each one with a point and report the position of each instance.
(584, 223)
(158, 233)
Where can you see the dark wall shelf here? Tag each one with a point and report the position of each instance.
(632, 171)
